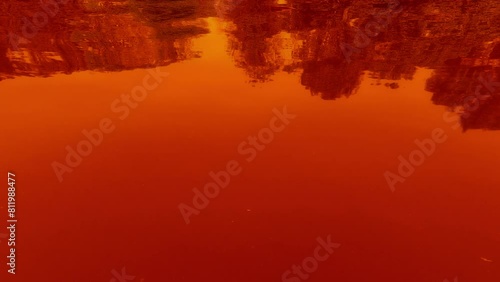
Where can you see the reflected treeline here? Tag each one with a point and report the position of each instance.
(460, 39)
(318, 39)
(43, 37)
(471, 90)
(268, 36)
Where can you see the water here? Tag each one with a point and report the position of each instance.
(333, 169)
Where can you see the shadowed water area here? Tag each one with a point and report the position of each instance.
(392, 150)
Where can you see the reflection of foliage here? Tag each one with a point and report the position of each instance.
(460, 41)
(458, 86)
(451, 84)
(172, 19)
(158, 11)
(487, 116)
(251, 42)
(253, 58)
(103, 36)
(418, 37)
(331, 79)
(181, 32)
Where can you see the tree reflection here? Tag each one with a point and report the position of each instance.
(97, 35)
(457, 40)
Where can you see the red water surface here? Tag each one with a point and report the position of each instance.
(323, 175)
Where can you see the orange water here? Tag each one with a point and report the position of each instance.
(322, 175)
